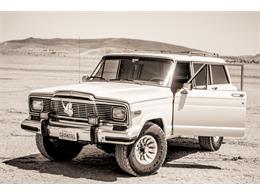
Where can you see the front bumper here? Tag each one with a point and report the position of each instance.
(85, 133)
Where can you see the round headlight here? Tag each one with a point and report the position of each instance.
(37, 105)
(119, 113)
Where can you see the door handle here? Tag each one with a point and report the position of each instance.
(237, 94)
(214, 88)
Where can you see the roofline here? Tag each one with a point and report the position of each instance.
(210, 59)
(154, 55)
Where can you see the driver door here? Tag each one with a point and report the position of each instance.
(206, 110)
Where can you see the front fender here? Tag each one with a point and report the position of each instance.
(159, 109)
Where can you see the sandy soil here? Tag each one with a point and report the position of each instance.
(20, 162)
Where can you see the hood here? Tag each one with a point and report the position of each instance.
(126, 92)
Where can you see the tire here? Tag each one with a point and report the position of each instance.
(210, 143)
(57, 150)
(146, 155)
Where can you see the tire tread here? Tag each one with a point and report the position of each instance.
(63, 153)
(122, 160)
(124, 155)
(41, 148)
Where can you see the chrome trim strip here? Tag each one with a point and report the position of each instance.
(39, 95)
(72, 100)
(153, 99)
(73, 93)
(86, 120)
(68, 124)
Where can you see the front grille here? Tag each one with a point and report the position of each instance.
(46, 105)
(82, 110)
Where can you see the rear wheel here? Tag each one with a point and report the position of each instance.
(146, 155)
(211, 143)
(57, 150)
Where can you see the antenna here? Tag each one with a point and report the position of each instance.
(79, 59)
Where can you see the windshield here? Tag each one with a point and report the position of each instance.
(136, 70)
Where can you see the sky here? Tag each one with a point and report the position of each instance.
(227, 33)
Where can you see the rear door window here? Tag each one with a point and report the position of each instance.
(219, 75)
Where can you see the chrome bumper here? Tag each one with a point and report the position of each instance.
(30, 125)
(85, 133)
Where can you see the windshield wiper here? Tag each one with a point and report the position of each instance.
(139, 82)
(127, 80)
(121, 79)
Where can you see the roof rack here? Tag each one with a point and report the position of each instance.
(201, 53)
(154, 50)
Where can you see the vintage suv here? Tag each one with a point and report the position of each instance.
(133, 103)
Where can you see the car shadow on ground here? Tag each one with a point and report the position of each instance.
(102, 167)
(181, 147)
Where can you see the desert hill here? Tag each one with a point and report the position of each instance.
(70, 47)
(96, 47)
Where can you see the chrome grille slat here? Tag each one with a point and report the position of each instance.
(46, 105)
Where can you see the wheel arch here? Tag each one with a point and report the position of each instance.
(157, 121)
(156, 118)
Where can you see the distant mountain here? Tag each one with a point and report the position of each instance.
(70, 47)
(248, 59)
(97, 47)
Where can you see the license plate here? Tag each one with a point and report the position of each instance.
(69, 135)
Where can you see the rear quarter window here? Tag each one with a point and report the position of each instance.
(219, 75)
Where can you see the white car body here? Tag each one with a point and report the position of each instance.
(200, 112)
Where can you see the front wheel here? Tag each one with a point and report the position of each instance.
(57, 150)
(211, 143)
(146, 155)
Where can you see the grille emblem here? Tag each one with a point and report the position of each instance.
(68, 108)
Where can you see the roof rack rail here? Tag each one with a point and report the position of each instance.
(201, 53)
(154, 50)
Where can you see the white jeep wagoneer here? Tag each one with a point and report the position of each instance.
(133, 103)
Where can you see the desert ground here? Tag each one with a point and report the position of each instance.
(238, 160)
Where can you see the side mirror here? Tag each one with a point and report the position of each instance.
(85, 78)
(186, 87)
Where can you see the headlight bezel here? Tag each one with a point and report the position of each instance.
(115, 111)
(40, 104)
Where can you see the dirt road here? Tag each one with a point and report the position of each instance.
(238, 160)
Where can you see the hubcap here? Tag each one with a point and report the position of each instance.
(146, 149)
